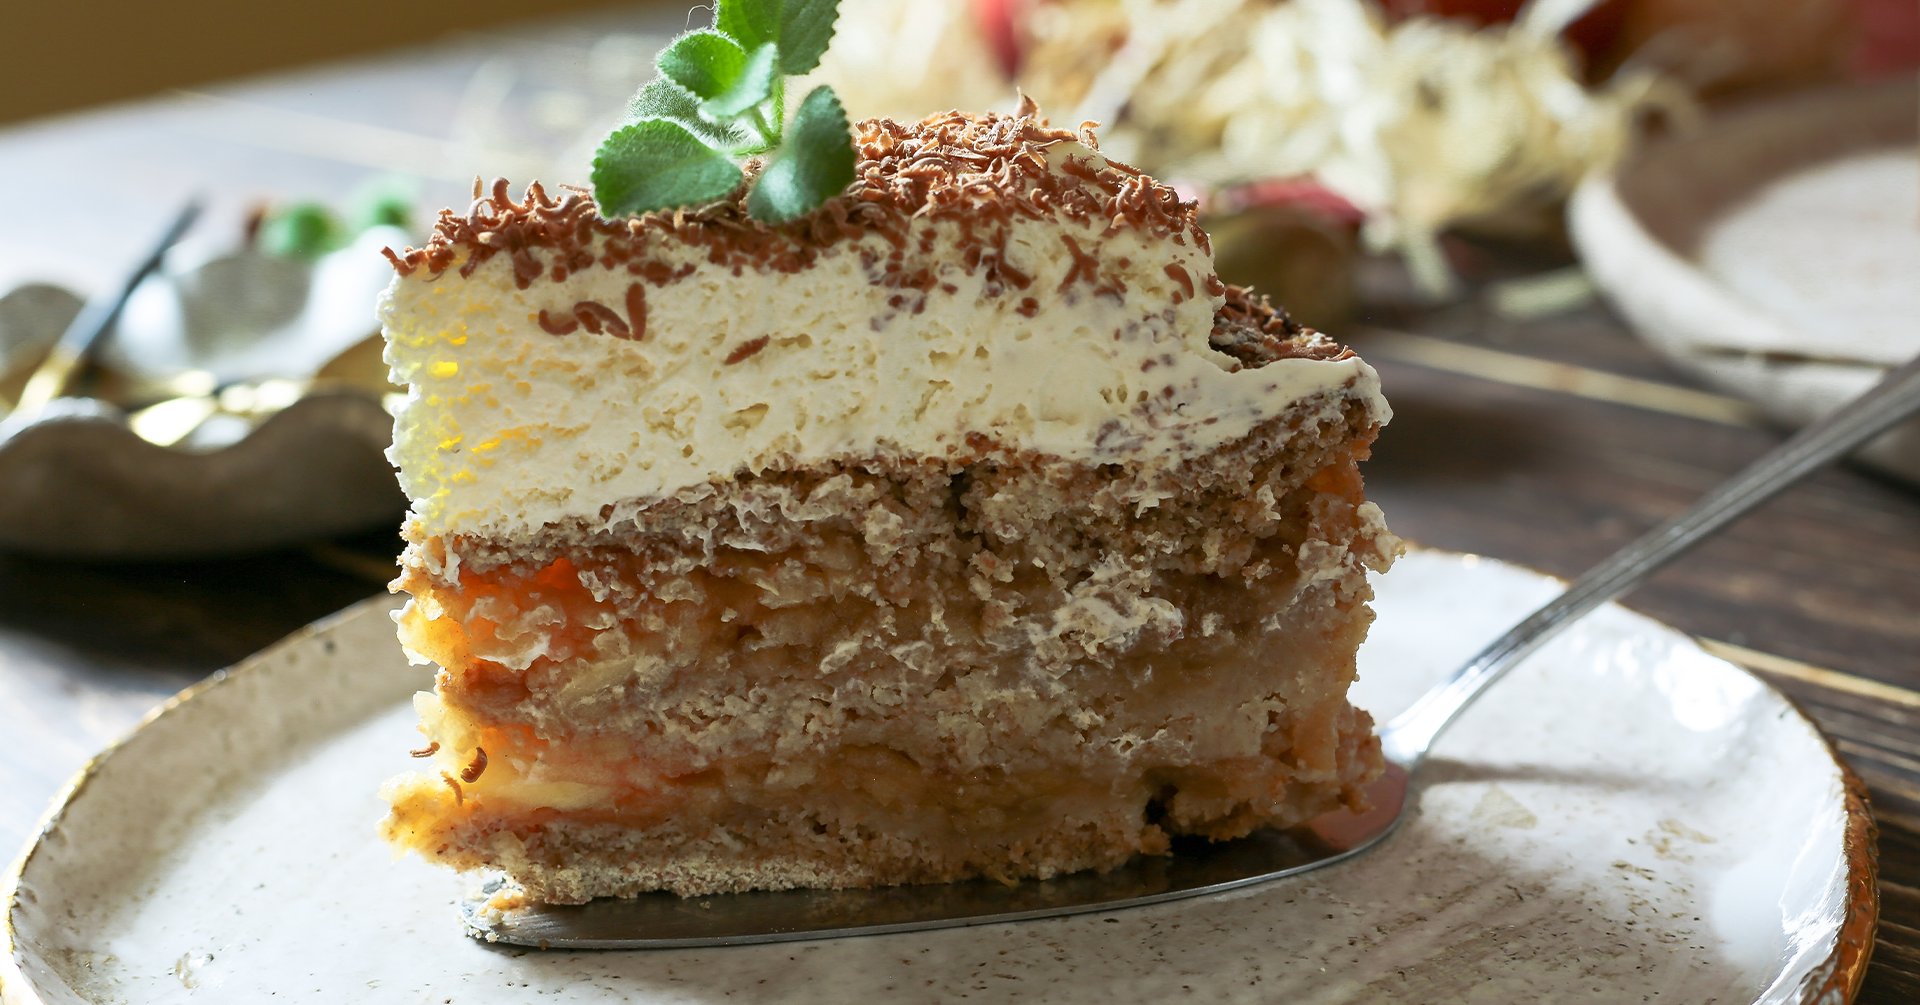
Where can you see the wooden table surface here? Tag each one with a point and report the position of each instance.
(1513, 439)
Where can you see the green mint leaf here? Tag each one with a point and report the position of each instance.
(719, 97)
(806, 27)
(802, 28)
(752, 23)
(752, 86)
(813, 165)
(657, 164)
(664, 99)
(704, 62)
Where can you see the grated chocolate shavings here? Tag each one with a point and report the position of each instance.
(476, 767)
(745, 349)
(1253, 331)
(598, 317)
(979, 170)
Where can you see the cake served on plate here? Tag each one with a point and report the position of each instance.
(965, 526)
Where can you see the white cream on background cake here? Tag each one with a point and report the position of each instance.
(968, 526)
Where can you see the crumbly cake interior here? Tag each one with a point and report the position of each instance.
(890, 670)
(969, 526)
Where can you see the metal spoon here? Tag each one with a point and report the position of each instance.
(661, 920)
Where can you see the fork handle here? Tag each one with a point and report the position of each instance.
(50, 378)
(1406, 739)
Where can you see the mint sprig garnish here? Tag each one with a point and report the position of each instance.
(719, 99)
(662, 164)
(801, 28)
(666, 100)
(816, 162)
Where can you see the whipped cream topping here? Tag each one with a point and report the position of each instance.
(544, 404)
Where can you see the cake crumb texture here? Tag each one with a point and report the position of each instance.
(968, 527)
(894, 671)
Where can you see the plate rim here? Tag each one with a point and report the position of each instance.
(1835, 980)
(14, 989)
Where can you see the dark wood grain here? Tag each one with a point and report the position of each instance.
(1824, 574)
(1893, 978)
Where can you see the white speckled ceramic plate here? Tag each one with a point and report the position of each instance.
(1626, 819)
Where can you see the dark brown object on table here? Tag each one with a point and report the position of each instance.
(1723, 49)
(86, 486)
(1299, 257)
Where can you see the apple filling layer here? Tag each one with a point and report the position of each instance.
(896, 671)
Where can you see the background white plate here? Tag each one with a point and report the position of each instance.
(1770, 252)
(1626, 819)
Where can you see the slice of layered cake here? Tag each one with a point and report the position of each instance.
(967, 526)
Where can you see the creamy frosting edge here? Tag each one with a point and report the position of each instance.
(508, 428)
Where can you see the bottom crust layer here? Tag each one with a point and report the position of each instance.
(570, 861)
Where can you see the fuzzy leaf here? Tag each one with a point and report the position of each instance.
(802, 28)
(806, 27)
(813, 165)
(707, 63)
(657, 164)
(753, 86)
(664, 99)
(752, 23)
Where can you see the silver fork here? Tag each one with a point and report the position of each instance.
(660, 920)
